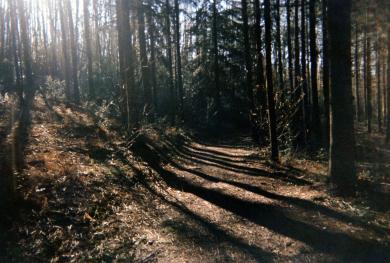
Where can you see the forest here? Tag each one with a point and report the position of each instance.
(194, 131)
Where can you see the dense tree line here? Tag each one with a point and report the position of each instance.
(299, 73)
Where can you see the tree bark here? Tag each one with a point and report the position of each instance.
(64, 32)
(73, 44)
(126, 64)
(178, 60)
(316, 123)
(145, 72)
(248, 63)
(378, 85)
(342, 144)
(368, 84)
(217, 91)
(388, 87)
(172, 92)
(270, 94)
(88, 48)
(152, 32)
(357, 76)
(279, 46)
(325, 70)
(289, 47)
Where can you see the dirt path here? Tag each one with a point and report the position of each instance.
(93, 197)
(272, 214)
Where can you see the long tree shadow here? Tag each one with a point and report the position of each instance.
(305, 204)
(215, 230)
(273, 218)
(199, 158)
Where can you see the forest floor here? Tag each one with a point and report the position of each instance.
(90, 195)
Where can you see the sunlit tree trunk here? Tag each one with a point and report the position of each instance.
(316, 122)
(325, 70)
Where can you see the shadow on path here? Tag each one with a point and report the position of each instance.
(272, 217)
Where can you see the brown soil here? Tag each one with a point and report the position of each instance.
(91, 196)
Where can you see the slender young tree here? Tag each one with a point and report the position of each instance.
(73, 45)
(305, 120)
(168, 36)
(126, 67)
(378, 84)
(325, 70)
(279, 46)
(316, 123)
(88, 48)
(270, 94)
(178, 59)
(289, 47)
(260, 80)
(388, 87)
(145, 72)
(368, 83)
(357, 76)
(65, 52)
(152, 33)
(342, 170)
(217, 96)
(248, 62)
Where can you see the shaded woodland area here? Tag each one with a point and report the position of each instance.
(194, 131)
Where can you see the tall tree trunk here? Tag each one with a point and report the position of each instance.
(378, 85)
(64, 31)
(126, 64)
(279, 46)
(368, 84)
(73, 45)
(168, 36)
(388, 87)
(248, 63)
(289, 46)
(260, 87)
(178, 59)
(342, 144)
(325, 70)
(14, 32)
(316, 123)
(53, 33)
(217, 91)
(98, 51)
(152, 32)
(88, 48)
(270, 94)
(145, 71)
(305, 121)
(357, 75)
